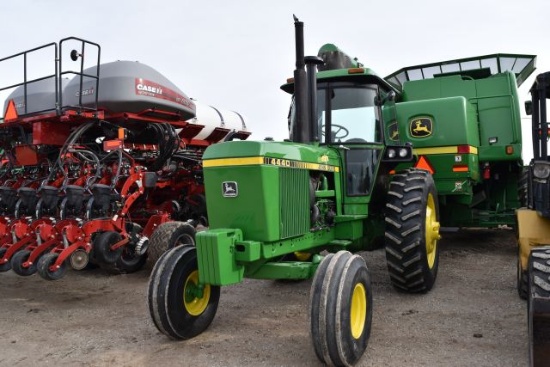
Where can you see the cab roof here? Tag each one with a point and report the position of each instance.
(478, 67)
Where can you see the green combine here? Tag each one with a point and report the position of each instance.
(463, 119)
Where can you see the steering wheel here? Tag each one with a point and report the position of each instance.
(338, 131)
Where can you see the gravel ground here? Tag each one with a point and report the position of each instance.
(472, 317)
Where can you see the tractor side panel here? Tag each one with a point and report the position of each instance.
(253, 206)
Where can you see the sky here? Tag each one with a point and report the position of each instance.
(236, 54)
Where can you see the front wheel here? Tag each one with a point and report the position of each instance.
(340, 309)
(412, 231)
(179, 305)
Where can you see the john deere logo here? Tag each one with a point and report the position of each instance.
(230, 189)
(393, 131)
(421, 127)
(323, 158)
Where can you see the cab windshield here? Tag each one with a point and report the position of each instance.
(346, 113)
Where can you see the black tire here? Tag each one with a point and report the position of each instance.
(539, 306)
(174, 278)
(102, 248)
(412, 231)
(17, 261)
(341, 309)
(7, 265)
(128, 262)
(167, 236)
(44, 264)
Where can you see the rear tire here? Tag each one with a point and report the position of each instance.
(539, 307)
(177, 307)
(412, 231)
(341, 309)
(167, 236)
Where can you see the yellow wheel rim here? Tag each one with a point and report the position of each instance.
(432, 231)
(358, 312)
(193, 304)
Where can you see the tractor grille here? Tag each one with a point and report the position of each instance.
(294, 194)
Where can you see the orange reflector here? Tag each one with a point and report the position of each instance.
(109, 145)
(121, 133)
(463, 149)
(392, 172)
(11, 112)
(460, 168)
(509, 149)
(424, 164)
(356, 71)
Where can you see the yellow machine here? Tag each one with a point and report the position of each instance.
(534, 228)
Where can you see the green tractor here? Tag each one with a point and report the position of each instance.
(301, 208)
(463, 119)
(534, 228)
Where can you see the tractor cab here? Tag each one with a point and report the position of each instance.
(346, 113)
(348, 100)
(347, 116)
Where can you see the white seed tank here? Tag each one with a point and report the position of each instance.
(213, 117)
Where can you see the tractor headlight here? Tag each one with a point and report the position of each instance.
(541, 170)
(398, 153)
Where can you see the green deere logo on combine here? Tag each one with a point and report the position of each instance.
(421, 127)
(393, 131)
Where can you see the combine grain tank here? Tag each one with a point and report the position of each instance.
(128, 86)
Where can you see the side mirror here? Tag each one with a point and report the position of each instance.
(529, 107)
(389, 97)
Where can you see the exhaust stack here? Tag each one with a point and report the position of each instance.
(304, 129)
